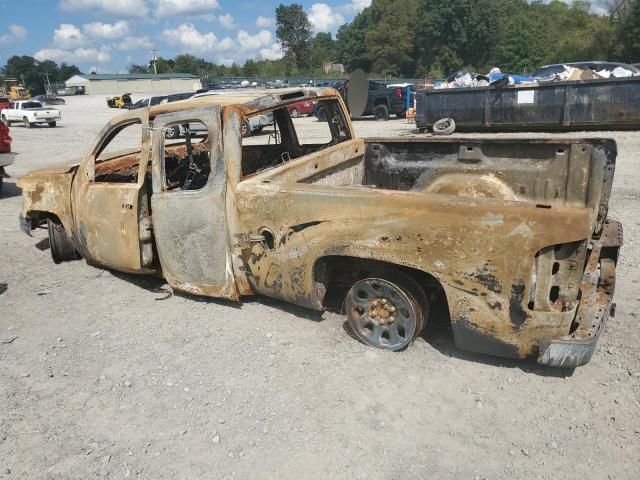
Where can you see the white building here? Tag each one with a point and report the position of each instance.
(117, 84)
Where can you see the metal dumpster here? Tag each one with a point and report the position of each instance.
(604, 104)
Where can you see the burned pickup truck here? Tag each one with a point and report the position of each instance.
(511, 236)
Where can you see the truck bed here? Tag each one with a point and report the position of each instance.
(569, 172)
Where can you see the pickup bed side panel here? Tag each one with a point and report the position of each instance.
(481, 251)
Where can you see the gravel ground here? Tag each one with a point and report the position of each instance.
(101, 376)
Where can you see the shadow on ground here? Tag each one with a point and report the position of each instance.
(9, 189)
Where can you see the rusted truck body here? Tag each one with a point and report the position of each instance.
(512, 236)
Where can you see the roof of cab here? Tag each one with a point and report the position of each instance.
(248, 100)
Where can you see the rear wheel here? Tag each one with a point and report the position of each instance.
(386, 311)
(61, 247)
(381, 112)
(52, 124)
(26, 122)
(295, 113)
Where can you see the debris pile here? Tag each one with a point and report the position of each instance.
(466, 79)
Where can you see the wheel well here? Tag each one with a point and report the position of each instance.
(381, 101)
(38, 217)
(339, 273)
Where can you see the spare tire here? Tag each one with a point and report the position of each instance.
(444, 126)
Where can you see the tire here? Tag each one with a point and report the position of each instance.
(172, 132)
(245, 130)
(6, 122)
(387, 310)
(295, 113)
(381, 112)
(52, 124)
(27, 123)
(444, 126)
(61, 247)
(1, 183)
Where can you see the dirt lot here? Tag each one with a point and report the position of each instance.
(101, 376)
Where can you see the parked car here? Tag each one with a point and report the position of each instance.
(6, 155)
(49, 100)
(30, 113)
(299, 109)
(390, 229)
(4, 102)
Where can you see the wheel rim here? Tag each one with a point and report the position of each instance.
(295, 113)
(381, 314)
(171, 132)
(245, 130)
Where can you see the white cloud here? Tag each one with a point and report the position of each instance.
(189, 39)
(186, 38)
(16, 33)
(227, 21)
(79, 55)
(359, 5)
(226, 44)
(248, 42)
(67, 36)
(273, 52)
(323, 18)
(168, 8)
(106, 30)
(264, 22)
(134, 43)
(125, 8)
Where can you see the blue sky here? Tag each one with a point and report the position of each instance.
(109, 35)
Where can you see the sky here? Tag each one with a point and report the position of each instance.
(106, 36)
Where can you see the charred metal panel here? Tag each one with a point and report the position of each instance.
(190, 226)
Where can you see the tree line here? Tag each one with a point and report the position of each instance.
(414, 38)
(33, 74)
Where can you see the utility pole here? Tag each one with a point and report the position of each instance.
(153, 61)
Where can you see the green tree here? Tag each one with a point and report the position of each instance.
(67, 71)
(322, 50)
(629, 33)
(389, 42)
(133, 68)
(294, 32)
(250, 68)
(454, 33)
(350, 42)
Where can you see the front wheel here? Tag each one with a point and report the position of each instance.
(61, 247)
(386, 311)
(26, 122)
(52, 124)
(172, 132)
(245, 130)
(295, 113)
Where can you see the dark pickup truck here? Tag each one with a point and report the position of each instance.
(382, 101)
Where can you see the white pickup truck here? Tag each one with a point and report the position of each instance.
(30, 112)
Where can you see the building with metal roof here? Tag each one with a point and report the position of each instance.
(117, 84)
